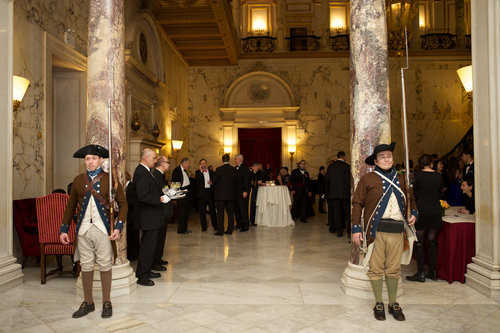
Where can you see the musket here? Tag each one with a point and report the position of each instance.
(405, 135)
(111, 176)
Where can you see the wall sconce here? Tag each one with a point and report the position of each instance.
(338, 19)
(465, 75)
(19, 87)
(291, 151)
(259, 20)
(227, 149)
(177, 145)
(421, 17)
(155, 132)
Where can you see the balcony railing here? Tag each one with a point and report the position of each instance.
(304, 43)
(339, 42)
(438, 41)
(258, 44)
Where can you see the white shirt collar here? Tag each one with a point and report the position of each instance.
(160, 171)
(146, 167)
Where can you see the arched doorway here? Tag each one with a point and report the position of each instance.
(263, 101)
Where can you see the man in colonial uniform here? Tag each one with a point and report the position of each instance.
(90, 194)
(382, 195)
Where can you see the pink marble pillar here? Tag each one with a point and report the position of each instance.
(370, 111)
(106, 82)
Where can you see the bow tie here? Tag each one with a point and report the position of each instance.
(204, 170)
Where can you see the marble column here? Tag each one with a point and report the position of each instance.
(10, 272)
(106, 82)
(325, 25)
(280, 22)
(370, 110)
(483, 273)
(460, 23)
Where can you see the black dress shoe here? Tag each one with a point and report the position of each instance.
(152, 275)
(158, 268)
(340, 234)
(107, 309)
(379, 311)
(163, 262)
(431, 275)
(219, 234)
(228, 232)
(419, 276)
(84, 310)
(188, 231)
(243, 230)
(253, 224)
(303, 221)
(203, 229)
(184, 232)
(396, 311)
(145, 282)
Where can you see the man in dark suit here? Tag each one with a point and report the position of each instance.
(242, 191)
(180, 175)
(301, 190)
(338, 193)
(321, 189)
(205, 195)
(161, 166)
(133, 236)
(224, 195)
(148, 214)
(468, 159)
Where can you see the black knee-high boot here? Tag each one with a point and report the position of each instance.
(420, 256)
(432, 247)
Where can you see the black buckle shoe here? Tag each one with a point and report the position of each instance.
(379, 311)
(84, 310)
(107, 310)
(396, 311)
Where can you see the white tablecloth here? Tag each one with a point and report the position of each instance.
(451, 215)
(273, 207)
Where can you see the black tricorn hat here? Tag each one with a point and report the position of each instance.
(370, 160)
(91, 150)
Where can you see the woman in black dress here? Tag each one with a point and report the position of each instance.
(427, 190)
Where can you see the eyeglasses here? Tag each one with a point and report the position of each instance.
(166, 162)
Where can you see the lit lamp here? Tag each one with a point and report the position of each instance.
(465, 75)
(259, 21)
(292, 150)
(20, 85)
(177, 145)
(338, 19)
(227, 149)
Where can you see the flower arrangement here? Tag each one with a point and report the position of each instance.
(444, 206)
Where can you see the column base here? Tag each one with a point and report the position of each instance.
(11, 273)
(356, 283)
(123, 283)
(484, 277)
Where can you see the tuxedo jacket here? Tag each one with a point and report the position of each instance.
(300, 181)
(177, 176)
(242, 180)
(148, 209)
(225, 183)
(168, 208)
(338, 180)
(200, 183)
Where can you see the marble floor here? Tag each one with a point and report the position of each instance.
(265, 280)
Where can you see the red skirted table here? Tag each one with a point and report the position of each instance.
(456, 245)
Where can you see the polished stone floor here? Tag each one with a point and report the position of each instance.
(265, 280)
